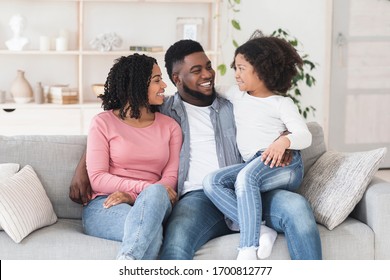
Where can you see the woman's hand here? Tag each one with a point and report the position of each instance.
(274, 154)
(172, 194)
(117, 198)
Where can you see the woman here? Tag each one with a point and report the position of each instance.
(132, 160)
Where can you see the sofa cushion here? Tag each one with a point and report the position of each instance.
(24, 205)
(7, 170)
(336, 183)
(317, 147)
(54, 159)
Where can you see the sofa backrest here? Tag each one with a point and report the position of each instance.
(54, 159)
(317, 148)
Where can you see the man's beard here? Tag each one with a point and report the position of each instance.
(200, 96)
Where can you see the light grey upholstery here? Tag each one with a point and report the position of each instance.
(363, 235)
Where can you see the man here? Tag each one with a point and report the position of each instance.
(209, 143)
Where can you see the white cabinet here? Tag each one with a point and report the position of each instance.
(26, 120)
(136, 22)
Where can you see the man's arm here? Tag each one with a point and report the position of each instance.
(80, 190)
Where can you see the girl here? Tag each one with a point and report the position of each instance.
(264, 68)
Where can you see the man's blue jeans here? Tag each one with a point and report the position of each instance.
(236, 191)
(195, 220)
(138, 227)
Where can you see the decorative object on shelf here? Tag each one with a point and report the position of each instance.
(98, 89)
(17, 24)
(2, 96)
(190, 28)
(62, 94)
(146, 48)
(44, 43)
(62, 41)
(106, 42)
(21, 89)
(39, 97)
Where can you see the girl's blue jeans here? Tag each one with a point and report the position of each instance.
(237, 190)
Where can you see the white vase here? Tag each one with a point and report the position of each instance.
(21, 89)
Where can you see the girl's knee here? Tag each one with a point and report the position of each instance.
(208, 183)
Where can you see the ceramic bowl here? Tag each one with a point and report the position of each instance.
(98, 89)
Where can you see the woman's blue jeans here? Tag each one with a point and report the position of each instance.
(138, 227)
(237, 192)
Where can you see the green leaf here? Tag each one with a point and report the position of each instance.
(294, 42)
(235, 44)
(222, 69)
(237, 2)
(236, 24)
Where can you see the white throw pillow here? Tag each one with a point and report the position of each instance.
(336, 183)
(7, 170)
(24, 205)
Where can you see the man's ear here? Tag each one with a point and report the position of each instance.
(175, 78)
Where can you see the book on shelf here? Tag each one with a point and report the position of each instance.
(63, 91)
(65, 99)
(146, 48)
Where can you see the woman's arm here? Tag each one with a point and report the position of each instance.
(98, 159)
(170, 172)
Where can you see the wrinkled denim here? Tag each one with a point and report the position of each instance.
(138, 227)
(236, 191)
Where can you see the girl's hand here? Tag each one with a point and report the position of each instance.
(117, 198)
(172, 195)
(273, 155)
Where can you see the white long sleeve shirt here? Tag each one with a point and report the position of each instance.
(260, 121)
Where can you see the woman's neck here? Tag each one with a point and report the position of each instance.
(146, 118)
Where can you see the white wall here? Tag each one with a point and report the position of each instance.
(307, 20)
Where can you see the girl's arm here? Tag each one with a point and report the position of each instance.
(300, 136)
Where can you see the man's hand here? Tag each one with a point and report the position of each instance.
(172, 195)
(80, 190)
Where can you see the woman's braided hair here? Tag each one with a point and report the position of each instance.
(127, 83)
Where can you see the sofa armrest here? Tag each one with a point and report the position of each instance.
(374, 210)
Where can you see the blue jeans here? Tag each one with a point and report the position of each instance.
(195, 220)
(138, 227)
(237, 191)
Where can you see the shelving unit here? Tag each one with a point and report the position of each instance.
(137, 22)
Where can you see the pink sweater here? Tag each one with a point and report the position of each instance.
(124, 158)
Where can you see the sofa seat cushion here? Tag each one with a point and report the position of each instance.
(63, 240)
(351, 236)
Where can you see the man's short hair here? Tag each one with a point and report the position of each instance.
(178, 51)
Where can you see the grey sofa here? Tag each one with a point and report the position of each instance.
(363, 235)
